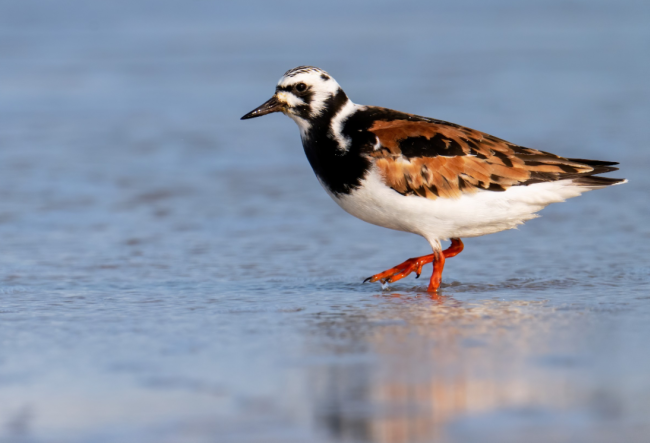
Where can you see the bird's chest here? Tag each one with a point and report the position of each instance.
(339, 171)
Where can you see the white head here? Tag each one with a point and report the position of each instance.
(305, 94)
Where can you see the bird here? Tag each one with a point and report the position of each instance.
(421, 175)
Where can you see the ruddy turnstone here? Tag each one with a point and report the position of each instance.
(421, 175)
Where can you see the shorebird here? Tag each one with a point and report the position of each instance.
(417, 174)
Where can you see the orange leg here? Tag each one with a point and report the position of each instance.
(455, 248)
(436, 276)
(415, 265)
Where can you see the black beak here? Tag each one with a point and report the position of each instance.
(270, 106)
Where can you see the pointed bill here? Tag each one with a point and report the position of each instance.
(273, 105)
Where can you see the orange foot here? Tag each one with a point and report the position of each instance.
(415, 265)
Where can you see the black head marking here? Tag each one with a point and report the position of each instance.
(302, 69)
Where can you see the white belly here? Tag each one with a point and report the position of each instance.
(484, 212)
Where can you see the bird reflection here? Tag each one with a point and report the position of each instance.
(405, 371)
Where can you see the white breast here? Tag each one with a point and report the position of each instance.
(472, 215)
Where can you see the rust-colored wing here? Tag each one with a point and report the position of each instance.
(432, 158)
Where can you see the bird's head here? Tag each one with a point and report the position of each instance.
(304, 93)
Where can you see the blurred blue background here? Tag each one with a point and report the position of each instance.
(169, 273)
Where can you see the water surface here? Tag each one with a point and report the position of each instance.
(169, 273)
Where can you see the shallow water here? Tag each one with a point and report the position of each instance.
(169, 273)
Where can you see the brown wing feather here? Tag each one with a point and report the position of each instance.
(437, 159)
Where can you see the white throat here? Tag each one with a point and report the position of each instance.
(303, 125)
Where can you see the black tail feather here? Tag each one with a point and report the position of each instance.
(600, 167)
(596, 181)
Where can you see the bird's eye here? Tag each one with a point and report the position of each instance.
(301, 87)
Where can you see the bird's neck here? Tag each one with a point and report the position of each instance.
(331, 153)
(328, 124)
